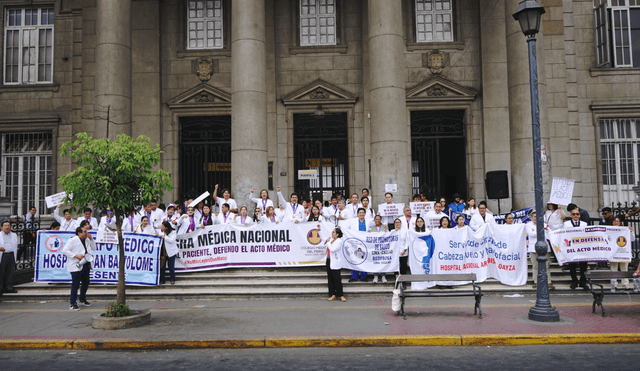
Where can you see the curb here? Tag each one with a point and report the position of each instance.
(378, 341)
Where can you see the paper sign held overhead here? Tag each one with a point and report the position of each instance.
(197, 200)
(561, 191)
(56, 199)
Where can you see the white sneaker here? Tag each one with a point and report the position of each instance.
(384, 279)
(375, 279)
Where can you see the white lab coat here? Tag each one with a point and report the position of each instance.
(74, 247)
(335, 249)
(261, 204)
(93, 221)
(65, 225)
(477, 221)
(292, 212)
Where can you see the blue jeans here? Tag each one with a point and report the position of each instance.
(356, 275)
(172, 269)
(76, 277)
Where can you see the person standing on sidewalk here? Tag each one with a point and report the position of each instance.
(76, 250)
(8, 254)
(334, 247)
(575, 222)
(532, 234)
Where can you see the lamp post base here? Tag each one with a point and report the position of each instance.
(549, 314)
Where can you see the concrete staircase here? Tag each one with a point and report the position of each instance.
(244, 283)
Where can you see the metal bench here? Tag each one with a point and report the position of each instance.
(477, 292)
(598, 295)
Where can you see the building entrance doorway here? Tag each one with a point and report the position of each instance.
(438, 153)
(321, 144)
(205, 154)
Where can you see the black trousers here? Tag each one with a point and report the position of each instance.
(7, 268)
(572, 270)
(335, 280)
(404, 267)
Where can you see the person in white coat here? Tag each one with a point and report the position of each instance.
(107, 222)
(144, 227)
(481, 217)
(263, 202)
(243, 217)
(353, 207)
(575, 222)
(624, 266)
(532, 234)
(334, 270)
(78, 249)
(435, 214)
(330, 210)
(226, 199)
(357, 224)
(86, 215)
(270, 216)
(67, 223)
(130, 223)
(171, 249)
(8, 258)
(554, 216)
(408, 221)
(293, 211)
(225, 216)
(187, 222)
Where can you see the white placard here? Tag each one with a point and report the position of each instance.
(197, 200)
(56, 199)
(106, 237)
(561, 191)
(432, 222)
(418, 208)
(390, 209)
(391, 188)
(307, 174)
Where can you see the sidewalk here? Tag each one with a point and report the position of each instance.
(318, 322)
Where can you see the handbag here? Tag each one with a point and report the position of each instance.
(395, 300)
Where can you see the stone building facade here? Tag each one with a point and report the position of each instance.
(424, 94)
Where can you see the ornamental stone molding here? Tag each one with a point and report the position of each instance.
(319, 92)
(439, 89)
(437, 60)
(204, 68)
(201, 96)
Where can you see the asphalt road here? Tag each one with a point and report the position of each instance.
(542, 357)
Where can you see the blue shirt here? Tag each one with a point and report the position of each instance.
(362, 225)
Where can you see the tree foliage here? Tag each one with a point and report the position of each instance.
(114, 173)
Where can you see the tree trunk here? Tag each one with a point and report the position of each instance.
(121, 297)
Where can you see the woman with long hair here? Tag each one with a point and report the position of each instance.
(334, 277)
(470, 207)
(206, 218)
(226, 199)
(314, 214)
(257, 213)
(263, 202)
(270, 216)
(144, 227)
(554, 216)
(624, 266)
(402, 242)
(171, 248)
(243, 218)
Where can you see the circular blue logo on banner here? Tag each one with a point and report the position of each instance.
(355, 251)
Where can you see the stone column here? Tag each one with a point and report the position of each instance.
(390, 138)
(520, 110)
(248, 99)
(113, 69)
(495, 99)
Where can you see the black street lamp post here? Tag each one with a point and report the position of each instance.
(529, 14)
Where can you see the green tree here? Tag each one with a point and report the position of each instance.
(116, 173)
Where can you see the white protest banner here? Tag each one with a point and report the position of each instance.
(390, 209)
(418, 208)
(497, 251)
(391, 188)
(103, 236)
(142, 252)
(561, 191)
(260, 245)
(197, 200)
(591, 244)
(370, 252)
(55, 200)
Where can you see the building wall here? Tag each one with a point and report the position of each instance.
(576, 93)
